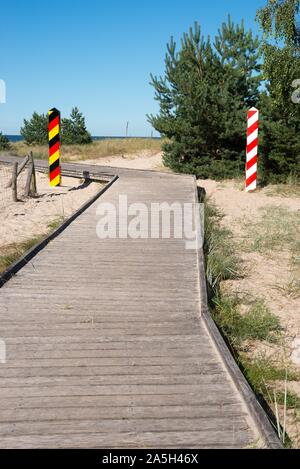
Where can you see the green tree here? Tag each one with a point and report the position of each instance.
(280, 143)
(203, 99)
(74, 130)
(238, 52)
(278, 20)
(35, 130)
(4, 142)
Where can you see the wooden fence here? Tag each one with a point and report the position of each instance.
(29, 188)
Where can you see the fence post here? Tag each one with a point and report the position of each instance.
(28, 180)
(252, 150)
(20, 169)
(34, 191)
(14, 182)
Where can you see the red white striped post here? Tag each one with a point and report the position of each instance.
(252, 150)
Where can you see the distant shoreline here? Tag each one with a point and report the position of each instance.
(19, 138)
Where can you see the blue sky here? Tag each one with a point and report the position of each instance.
(96, 55)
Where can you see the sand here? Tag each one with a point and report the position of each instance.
(30, 217)
(142, 160)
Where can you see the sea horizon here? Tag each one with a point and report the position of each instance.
(19, 138)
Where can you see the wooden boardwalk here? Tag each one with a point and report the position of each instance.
(106, 346)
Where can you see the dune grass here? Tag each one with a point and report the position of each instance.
(246, 329)
(10, 253)
(290, 289)
(292, 399)
(277, 227)
(258, 323)
(221, 260)
(54, 224)
(290, 189)
(262, 371)
(96, 149)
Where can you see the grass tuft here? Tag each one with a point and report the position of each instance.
(262, 370)
(276, 228)
(290, 189)
(291, 289)
(221, 261)
(53, 225)
(292, 399)
(12, 252)
(258, 323)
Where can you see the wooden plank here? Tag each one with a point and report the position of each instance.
(95, 352)
(216, 438)
(98, 407)
(125, 425)
(205, 380)
(89, 370)
(113, 390)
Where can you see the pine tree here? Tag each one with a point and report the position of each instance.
(239, 54)
(35, 130)
(74, 130)
(203, 97)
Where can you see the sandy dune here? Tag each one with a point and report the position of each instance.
(142, 160)
(31, 217)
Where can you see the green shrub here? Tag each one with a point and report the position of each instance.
(74, 130)
(35, 130)
(4, 142)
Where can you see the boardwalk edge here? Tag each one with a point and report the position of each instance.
(256, 411)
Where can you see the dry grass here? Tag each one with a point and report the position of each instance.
(290, 289)
(12, 252)
(284, 190)
(97, 149)
(53, 225)
(263, 372)
(290, 189)
(278, 228)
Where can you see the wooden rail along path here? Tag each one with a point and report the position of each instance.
(106, 344)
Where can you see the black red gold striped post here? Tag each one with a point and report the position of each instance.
(54, 147)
